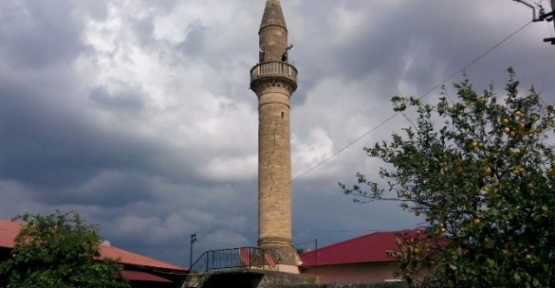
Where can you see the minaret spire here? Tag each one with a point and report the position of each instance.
(274, 80)
(273, 33)
(273, 15)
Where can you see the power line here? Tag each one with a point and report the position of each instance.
(294, 231)
(422, 96)
(250, 206)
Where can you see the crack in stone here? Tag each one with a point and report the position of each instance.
(276, 128)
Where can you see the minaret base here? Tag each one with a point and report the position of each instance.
(284, 254)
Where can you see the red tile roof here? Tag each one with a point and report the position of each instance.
(9, 230)
(369, 248)
(126, 257)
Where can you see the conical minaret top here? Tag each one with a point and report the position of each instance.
(273, 15)
(273, 33)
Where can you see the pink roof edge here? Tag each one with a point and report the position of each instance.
(367, 248)
(9, 230)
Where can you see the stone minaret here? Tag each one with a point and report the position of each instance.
(273, 80)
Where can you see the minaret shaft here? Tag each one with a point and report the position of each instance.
(274, 168)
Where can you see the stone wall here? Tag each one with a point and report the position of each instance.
(269, 279)
(375, 285)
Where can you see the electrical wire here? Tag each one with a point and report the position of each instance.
(422, 96)
(336, 153)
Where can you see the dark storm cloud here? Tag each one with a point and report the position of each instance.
(425, 32)
(106, 189)
(51, 146)
(45, 144)
(34, 34)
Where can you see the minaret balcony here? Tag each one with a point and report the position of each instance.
(274, 69)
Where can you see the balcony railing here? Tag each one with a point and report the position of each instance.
(275, 69)
(245, 257)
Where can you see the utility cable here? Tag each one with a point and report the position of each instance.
(336, 153)
(422, 96)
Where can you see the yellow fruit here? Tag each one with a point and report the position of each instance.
(443, 230)
(464, 105)
(474, 144)
(512, 134)
(477, 221)
(521, 126)
(480, 144)
(518, 170)
(506, 129)
(530, 185)
(487, 170)
(505, 121)
(518, 113)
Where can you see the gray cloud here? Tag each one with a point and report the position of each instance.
(123, 101)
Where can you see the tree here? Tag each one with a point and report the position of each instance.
(58, 250)
(481, 171)
(416, 252)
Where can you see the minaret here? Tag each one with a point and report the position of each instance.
(273, 80)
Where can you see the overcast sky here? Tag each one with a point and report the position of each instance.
(138, 115)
